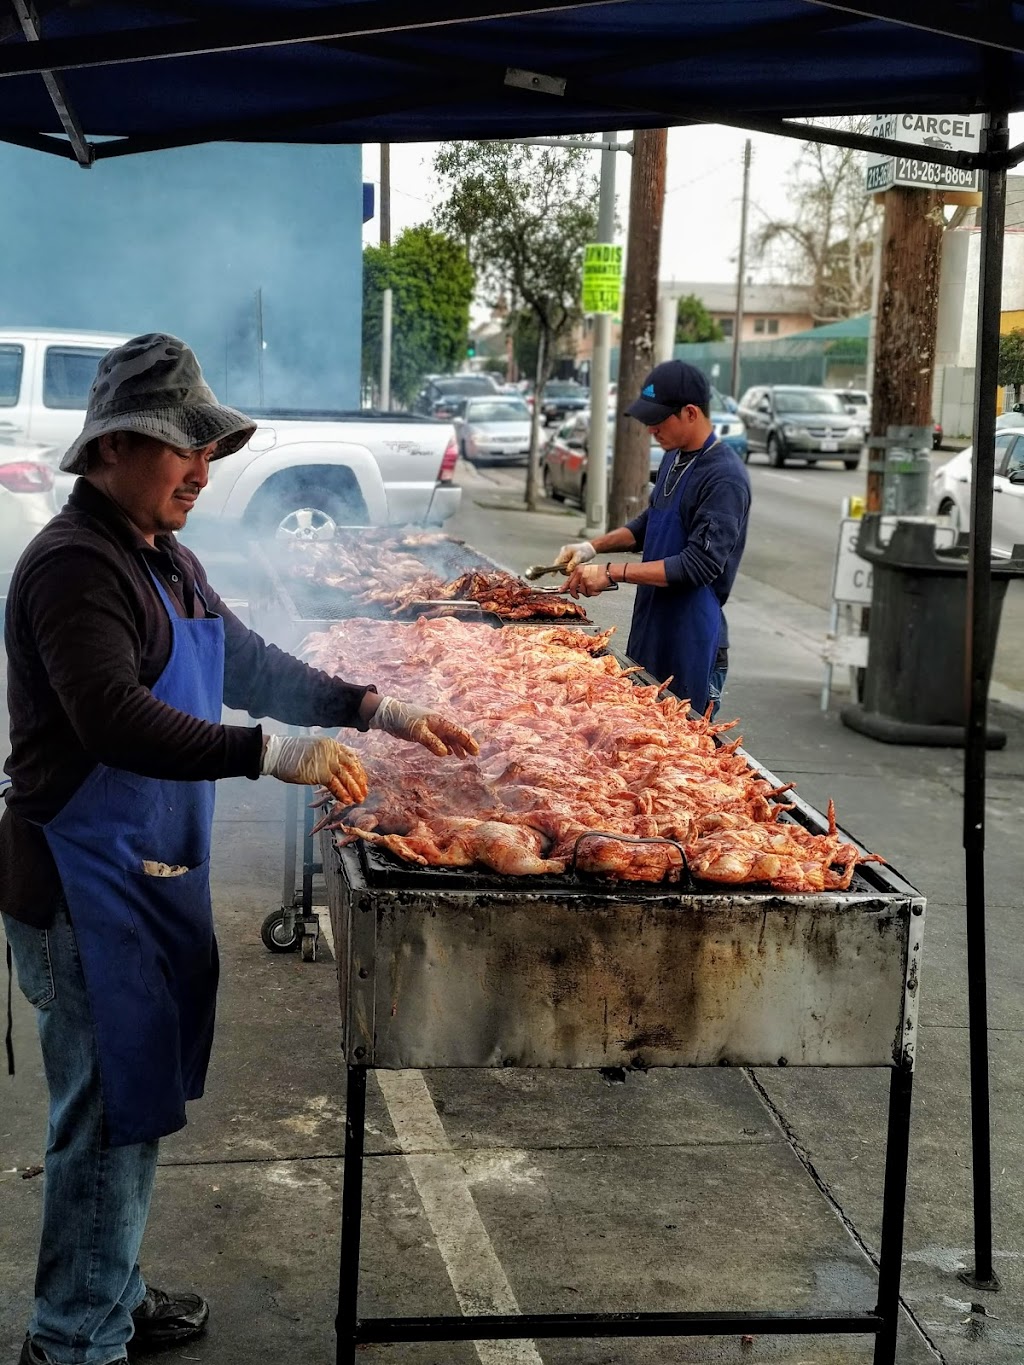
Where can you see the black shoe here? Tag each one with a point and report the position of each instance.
(31, 1354)
(166, 1319)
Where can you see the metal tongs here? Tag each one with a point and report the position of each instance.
(539, 570)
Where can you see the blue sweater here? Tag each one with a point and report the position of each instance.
(713, 510)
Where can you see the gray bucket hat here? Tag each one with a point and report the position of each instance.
(153, 385)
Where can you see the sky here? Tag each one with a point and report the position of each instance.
(704, 187)
(703, 191)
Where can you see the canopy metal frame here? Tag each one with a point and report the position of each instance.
(367, 26)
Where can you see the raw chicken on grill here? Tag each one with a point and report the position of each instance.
(580, 768)
(370, 566)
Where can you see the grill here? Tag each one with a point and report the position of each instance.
(443, 968)
(286, 609)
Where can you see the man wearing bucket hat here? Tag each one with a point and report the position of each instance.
(120, 659)
(691, 537)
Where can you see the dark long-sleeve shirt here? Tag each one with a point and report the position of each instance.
(87, 637)
(713, 511)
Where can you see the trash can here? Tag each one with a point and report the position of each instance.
(914, 681)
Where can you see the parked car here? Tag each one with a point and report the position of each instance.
(301, 475)
(728, 424)
(560, 398)
(443, 395)
(564, 461)
(27, 501)
(951, 492)
(857, 403)
(794, 421)
(495, 429)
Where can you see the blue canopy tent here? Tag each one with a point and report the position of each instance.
(88, 81)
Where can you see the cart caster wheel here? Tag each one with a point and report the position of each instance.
(309, 947)
(275, 936)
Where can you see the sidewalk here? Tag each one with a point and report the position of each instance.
(557, 1191)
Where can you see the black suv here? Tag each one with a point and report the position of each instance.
(796, 421)
(444, 395)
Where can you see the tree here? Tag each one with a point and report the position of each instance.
(1011, 360)
(695, 323)
(525, 214)
(431, 283)
(828, 244)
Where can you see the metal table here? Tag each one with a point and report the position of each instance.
(444, 969)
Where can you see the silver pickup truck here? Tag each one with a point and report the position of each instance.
(301, 475)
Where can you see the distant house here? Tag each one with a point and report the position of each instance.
(769, 310)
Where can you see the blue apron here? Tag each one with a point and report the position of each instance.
(675, 629)
(146, 942)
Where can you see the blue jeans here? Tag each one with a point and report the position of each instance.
(716, 686)
(95, 1198)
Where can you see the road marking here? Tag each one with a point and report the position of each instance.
(774, 474)
(324, 916)
(476, 1274)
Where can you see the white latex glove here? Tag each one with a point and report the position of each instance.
(319, 762)
(420, 726)
(572, 556)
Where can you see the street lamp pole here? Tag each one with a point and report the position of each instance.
(596, 509)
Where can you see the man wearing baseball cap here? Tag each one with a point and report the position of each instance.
(120, 657)
(691, 536)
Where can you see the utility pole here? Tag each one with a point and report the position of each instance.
(386, 301)
(741, 271)
(905, 326)
(596, 509)
(630, 471)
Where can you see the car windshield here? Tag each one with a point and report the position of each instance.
(855, 400)
(470, 384)
(807, 400)
(564, 391)
(497, 412)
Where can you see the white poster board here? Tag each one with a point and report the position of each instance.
(851, 580)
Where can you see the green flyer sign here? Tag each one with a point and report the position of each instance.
(602, 278)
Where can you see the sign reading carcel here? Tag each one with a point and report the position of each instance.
(602, 278)
(948, 132)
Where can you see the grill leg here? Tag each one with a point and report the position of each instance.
(894, 1199)
(346, 1322)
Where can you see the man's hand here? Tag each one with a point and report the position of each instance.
(588, 580)
(573, 555)
(319, 762)
(420, 726)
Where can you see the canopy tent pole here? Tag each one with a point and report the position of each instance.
(995, 138)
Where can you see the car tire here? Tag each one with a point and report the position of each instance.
(776, 455)
(948, 508)
(549, 488)
(583, 492)
(852, 464)
(297, 509)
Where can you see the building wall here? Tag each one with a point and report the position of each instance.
(957, 331)
(759, 326)
(183, 241)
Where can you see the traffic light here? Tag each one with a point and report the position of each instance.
(470, 349)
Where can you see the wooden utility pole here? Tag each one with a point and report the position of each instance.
(905, 325)
(630, 471)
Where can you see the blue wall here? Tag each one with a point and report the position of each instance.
(180, 241)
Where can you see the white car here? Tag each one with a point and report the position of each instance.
(26, 501)
(951, 492)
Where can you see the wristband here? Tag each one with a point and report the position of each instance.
(608, 575)
(625, 572)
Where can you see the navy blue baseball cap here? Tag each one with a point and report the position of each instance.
(670, 386)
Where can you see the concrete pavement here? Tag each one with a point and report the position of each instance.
(674, 1190)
